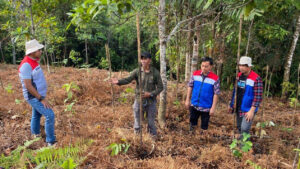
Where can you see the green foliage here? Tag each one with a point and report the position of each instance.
(103, 63)
(254, 165)
(46, 157)
(74, 56)
(288, 129)
(69, 164)
(15, 157)
(176, 103)
(289, 89)
(272, 32)
(68, 87)
(239, 147)
(9, 89)
(17, 101)
(69, 107)
(208, 3)
(129, 92)
(118, 148)
(294, 102)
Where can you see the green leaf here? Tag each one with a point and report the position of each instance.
(236, 153)
(246, 136)
(199, 2)
(208, 3)
(233, 144)
(126, 148)
(69, 164)
(248, 8)
(247, 146)
(17, 101)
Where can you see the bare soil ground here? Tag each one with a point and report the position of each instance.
(175, 147)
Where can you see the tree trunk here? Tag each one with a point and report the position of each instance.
(2, 56)
(249, 37)
(287, 67)
(177, 65)
(86, 53)
(220, 61)
(47, 58)
(13, 50)
(163, 67)
(32, 23)
(188, 54)
(110, 74)
(195, 57)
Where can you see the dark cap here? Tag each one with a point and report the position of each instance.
(146, 55)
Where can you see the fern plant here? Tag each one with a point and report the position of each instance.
(46, 157)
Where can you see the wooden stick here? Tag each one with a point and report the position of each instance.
(236, 74)
(270, 79)
(111, 85)
(263, 102)
(140, 75)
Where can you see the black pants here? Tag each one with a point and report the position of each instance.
(194, 116)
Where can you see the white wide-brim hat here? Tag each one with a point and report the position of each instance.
(245, 60)
(32, 46)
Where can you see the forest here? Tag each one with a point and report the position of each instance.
(86, 42)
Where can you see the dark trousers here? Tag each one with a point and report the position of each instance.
(194, 116)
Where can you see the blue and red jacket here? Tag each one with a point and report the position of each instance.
(249, 92)
(203, 89)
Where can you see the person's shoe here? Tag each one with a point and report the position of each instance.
(53, 144)
(192, 130)
(34, 136)
(137, 131)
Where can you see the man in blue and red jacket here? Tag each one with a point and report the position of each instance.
(202, 94)
(35, 89)
(249, 95)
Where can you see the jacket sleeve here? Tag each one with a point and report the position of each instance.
(130, 78)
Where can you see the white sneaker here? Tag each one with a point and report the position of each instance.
(51, 144)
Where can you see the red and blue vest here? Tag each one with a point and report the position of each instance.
(203, 89)
(37, 78)
(249, 92)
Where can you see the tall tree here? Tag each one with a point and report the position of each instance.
(290, 55)
(163, 66)
(196, 47)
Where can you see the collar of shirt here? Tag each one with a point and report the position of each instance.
(150, 69)
(33, 58)
(202, 74)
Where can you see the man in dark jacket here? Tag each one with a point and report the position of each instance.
(151, 86)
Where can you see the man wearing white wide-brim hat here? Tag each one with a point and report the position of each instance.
(249, 95)
(35, 89)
